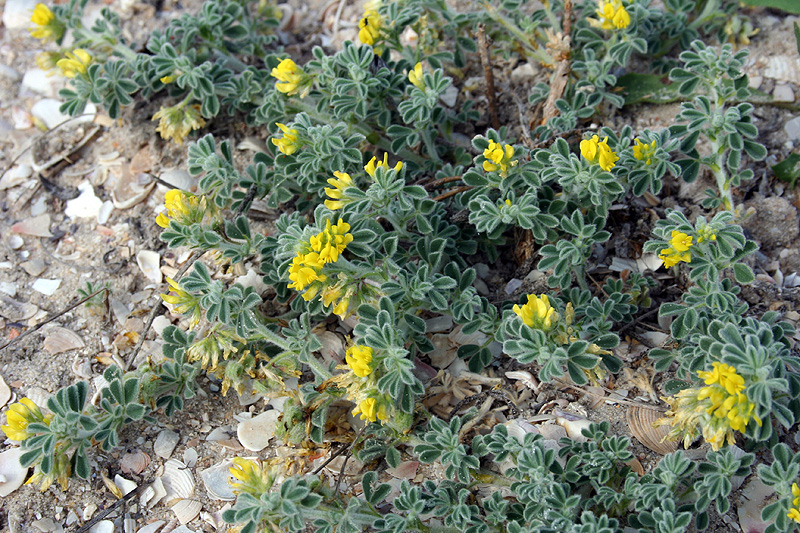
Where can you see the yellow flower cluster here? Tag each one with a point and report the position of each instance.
(250, 476)
(706, 233)
(611, 15)
(369, 27)
(537, 313)
(291, 79)
(47, 28)
(47, 61)
(371, 409)
(794, 512)
(679, 244)
(177, 121)
(359, 359)
(74, 62)
(415, 76)
(498, 157)
(644, 152)
(374, 164)
(596, 151)
(183, 302)
(719, 408)
(321, 249)
(182, 207)
(19, 416)
(287, 144)
(340, 183)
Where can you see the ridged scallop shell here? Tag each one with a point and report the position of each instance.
(186, 510)
(134, 463)
(178, 480)
(59, 340)
(165, 443)
(640, 421)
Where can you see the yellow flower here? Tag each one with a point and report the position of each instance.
(48, 28)
(340, 183)
(183, 207)
(644, 152)
(498, 157)
(183, 302)
(374, 164)
(724, 375)
(74, 62)
(358, 358)
(19, 416)
(331, 241)
(612, 15)
(370, 410)
(166, 80)
(340, 309)
(415, 76)
(177, 121)
(794, 514)
(369, 27)
(291, 78)
(537, 313)
(680, 242)
(596, 151)
(302, 274)
(250, 477)
(288, 143)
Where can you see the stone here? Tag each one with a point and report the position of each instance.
(792, 129)
(34, 267)
(35, 226)
(774, 223)
(783, 93)
(17, 14)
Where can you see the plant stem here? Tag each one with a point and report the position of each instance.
(429, 146)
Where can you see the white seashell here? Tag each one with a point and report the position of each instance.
(124, 485)
(16, 242)
(88, 511)
(152, 527)
(165, 443)
(443, 351)
(103, 526)
(5, 392)
(178, 480)
(35, 226)
(48, 113)
(332, 347)
(86, 205)
(519, 428)
(754, 497)
(82, 367)
(254, 434)
(134, 463)
(16, 311)
(12, 472)
(186, 510)
(190, 457)
(105, 212)
(573, 424)
(525, 377)
(22, 119)
(46, 286)
(60, 340)
(178, 178)
(47, 525)
(150, 264)
(8, 288)
(551, 431)
(640, 421)
(131, 189)
(217, 481)
(152, 494)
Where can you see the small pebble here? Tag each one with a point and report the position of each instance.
(16, 242)
(33, 268)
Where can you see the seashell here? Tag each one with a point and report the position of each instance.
(48, 287)
(124, 485)
(5, 392)
(573, 424)
(217, 481)
(640, 421)
(82, 367)
(190, 457)
(754, 497)
(177, 479)
(16, 311)
(165, 443)
(46, 525)
(134, 463)
(186, 510)
(519, 428)
(439, 324)
(179, 179)
(88, 511)
(12, 474)
(131, 189)
(525, 377)
(60, 340)
(636, 466)
(332, 347)
(152, 527)
(552, 432)
(86, 205)
(405, 470)
(443, 351)
(254, 434)
(152, 494)
(287, 17)
(150, 264)
(35, 226)
(103, 526)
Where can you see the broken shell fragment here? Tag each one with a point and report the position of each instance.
(165, 443)
(217, 481)
(60, 340)
(178, 480)
(134, 463)
(12, 474)
(186, 510)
